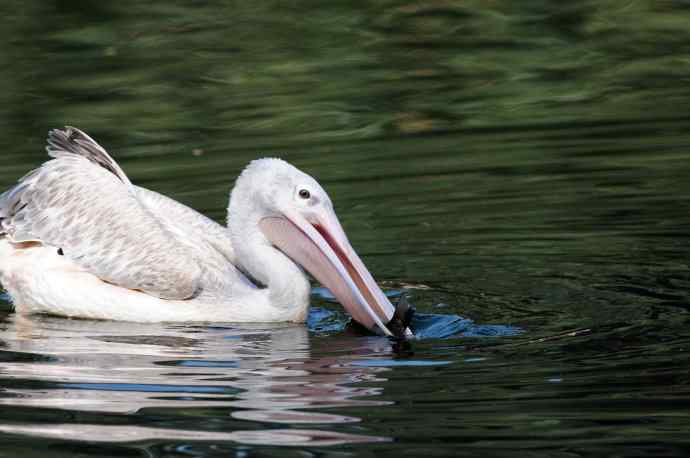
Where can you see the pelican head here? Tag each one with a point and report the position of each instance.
(278, 211)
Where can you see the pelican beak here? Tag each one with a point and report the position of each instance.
(320, 245)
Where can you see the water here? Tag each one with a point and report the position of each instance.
(519, 169)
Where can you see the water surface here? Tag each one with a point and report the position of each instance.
(510, 165)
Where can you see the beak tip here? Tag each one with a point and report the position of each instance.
(399, 325)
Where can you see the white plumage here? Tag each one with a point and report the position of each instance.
(78, 239)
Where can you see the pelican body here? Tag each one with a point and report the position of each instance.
(78, 239)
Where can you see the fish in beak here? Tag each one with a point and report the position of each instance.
(318, 243)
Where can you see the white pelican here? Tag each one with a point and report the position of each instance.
(78, 239)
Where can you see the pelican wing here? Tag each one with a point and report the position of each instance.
(187, 224)
(82, 204)
(208, 241)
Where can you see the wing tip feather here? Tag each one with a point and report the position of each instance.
(71, 140)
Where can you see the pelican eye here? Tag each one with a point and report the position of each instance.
(304, 194)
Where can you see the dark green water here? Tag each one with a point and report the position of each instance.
(520, 164)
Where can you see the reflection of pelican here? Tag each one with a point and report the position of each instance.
(80, 240)
(253, 367)
(256, 373)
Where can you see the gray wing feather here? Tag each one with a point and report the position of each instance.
(209, 241)
(187, 223)
(73, 141)
(99, 223)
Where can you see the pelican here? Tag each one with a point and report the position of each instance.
(78, 239)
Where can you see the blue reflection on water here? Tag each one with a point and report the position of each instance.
(153, 388)
(436, 326)
(324, 320)
(397, 363)
(425, 325)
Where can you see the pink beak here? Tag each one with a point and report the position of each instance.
(322, 248)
